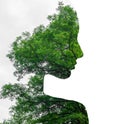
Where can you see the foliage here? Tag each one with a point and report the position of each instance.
(49, 50)
(33, 106)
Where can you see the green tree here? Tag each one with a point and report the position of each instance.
(48, 50)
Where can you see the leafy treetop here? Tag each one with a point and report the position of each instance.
(48, 50)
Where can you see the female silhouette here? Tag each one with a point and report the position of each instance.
(53, 50)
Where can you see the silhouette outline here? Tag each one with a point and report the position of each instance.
(61, 50)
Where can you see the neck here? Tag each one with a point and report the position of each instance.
(41, 77)
(37, 83)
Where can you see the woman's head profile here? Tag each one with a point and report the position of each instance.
(53, 49)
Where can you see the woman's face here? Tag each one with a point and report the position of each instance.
(67, 60)
(65, 47)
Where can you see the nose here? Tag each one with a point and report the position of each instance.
(77, 51)
(80, 52)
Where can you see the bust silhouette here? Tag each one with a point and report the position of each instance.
(52, 50)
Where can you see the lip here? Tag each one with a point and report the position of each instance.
(73, 66)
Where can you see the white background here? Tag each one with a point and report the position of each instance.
(95, 81)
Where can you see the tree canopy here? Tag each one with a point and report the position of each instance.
(49, 50)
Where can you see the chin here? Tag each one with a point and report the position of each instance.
(66, 75)
(63, 74)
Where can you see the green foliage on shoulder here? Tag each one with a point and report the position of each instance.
(33, 106)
